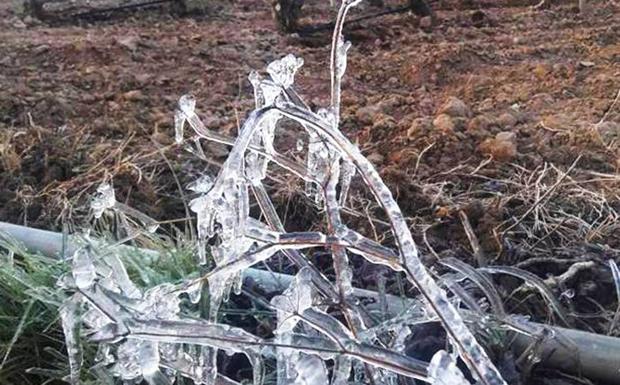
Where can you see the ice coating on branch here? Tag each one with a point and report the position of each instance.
(283, 71)
(341, 52)
(443, 370)
(187, 105)
(347, 174)
(322, 159)
(103, 200)
(255, 79)
(179, 126)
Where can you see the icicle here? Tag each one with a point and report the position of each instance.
(70, 319)
(179, 126)
(348, 172)
(294, 300)
(255, 79)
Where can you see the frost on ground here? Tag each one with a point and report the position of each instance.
(323, 334)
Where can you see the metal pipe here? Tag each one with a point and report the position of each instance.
(591, 355)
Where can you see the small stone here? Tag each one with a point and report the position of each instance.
(142, 78)
(388, 105)
(130, 42)
(541, 71)
(133, 95)
(502, 148)
(609, 131)
(367, 114)
(479, 19)
(384, 122)
(19, 24)
(506, 120)
(426, 23)
(216, 150)
(586, 64)
(480, 123)
(375, 158)
(444, 124)
(418, 126)
(29, 20)
(455, 107)
(41, 49)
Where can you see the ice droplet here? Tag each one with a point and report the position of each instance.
(283, 71)
(300, 144)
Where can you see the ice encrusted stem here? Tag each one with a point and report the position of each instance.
(337, 60)
(471, 352)
(333, 204)
(149, 330)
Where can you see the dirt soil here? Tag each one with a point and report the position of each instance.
(500, 115)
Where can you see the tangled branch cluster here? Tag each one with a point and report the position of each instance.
(324, 334)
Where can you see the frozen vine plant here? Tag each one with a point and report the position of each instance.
(323, 332)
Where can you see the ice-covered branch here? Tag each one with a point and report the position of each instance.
(145, 333)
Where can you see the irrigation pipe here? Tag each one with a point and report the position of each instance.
(591, 355)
